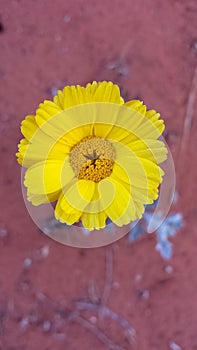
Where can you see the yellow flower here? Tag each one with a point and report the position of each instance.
(93, 154)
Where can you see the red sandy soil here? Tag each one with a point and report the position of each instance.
(149, 49)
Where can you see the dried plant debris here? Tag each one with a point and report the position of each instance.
(169, 227)
(174, 346)
(52, 224)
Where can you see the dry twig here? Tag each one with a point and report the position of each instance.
(93, 293)
(188, 118)
(96, 331)
(108, 276)
(105, 311)
(99, 306)
(189, 111)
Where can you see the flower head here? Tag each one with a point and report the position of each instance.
(93, 154)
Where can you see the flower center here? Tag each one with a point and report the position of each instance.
(92, 158)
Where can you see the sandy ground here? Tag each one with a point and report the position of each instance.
(149, 49)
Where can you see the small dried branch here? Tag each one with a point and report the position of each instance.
(108, 275)
(93, 292)
(96, 331)
(105, 311)
(99, 305)
(188, 117)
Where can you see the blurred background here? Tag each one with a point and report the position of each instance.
(57, 297)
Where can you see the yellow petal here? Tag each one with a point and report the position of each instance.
(45, 111)
(29, 127)
(74, 95)
(151, 115)
(141, 172)
(79, 194)
(21, 150)
(69, 126)
(137, 105)
(95, 92)
(94, 221)
(102, 130)
(67, 215)
(59, 99)
(140, 208)
(107, 92)
(71, 96)
(153, 150)
(73, 202)
(121, 209)
(48, 176)
(41, 148)
(37, 199)
(145, 194)
(91, 88)
(131, 125)
(94, 217)
(118, 133)
(76, 135)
